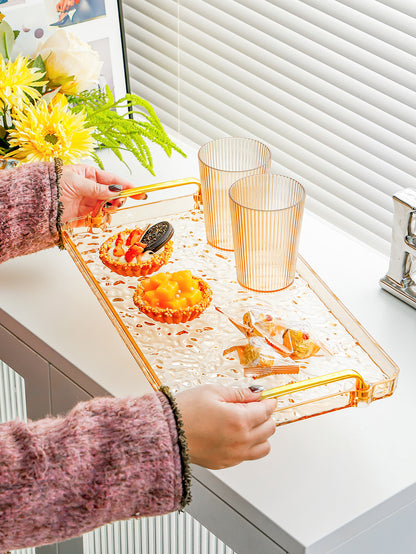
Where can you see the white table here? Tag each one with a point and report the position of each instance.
(344, 482)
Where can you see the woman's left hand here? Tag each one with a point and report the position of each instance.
(84, 187)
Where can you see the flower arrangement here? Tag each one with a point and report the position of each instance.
(51, 106)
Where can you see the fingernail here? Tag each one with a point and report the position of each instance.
(115, 188)
(256, 388)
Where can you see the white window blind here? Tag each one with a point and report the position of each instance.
(329, 85)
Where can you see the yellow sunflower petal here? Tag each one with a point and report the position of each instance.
(44, 131)
(18, 82)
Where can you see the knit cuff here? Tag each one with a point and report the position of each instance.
(183, 449)
(58, 171)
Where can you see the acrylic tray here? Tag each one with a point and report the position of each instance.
(188, 354)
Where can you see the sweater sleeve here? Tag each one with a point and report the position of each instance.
(107, 460)
(29, 209)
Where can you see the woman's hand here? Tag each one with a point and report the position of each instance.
(225, 426)
(84, 187)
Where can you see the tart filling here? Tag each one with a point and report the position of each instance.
(124, 254)
(173, 297)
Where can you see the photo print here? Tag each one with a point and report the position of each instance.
(64, 13)
(93, 21)
(9, 3)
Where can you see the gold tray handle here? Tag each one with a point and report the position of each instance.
(362, 389)
(101, 216)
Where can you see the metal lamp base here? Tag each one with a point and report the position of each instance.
(406, 294)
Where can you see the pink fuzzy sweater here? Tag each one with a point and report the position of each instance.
(108, 459)
(28, 209)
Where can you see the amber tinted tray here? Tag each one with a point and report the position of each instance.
(189, 354)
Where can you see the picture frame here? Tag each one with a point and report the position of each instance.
(97, 22)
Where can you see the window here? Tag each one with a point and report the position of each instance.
(328, 85)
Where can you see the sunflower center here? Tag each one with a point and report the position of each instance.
(51, 138)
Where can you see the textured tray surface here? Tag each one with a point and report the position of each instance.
(186, 355)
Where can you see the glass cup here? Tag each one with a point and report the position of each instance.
(266, 214)
(221, 163)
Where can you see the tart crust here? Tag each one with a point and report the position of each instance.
(134, 269)
(168, 315)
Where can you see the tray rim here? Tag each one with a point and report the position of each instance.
(305, 271)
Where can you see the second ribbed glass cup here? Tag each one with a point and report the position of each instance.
(221, 163)
(266, 215)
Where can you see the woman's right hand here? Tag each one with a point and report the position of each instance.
(225, 426)
(84, 187)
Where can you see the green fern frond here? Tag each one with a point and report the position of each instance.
(123, 125)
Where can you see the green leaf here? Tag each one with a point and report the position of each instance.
(7, 39)
(97, 160)
(61, 80)
(109, 94)
(123, 125)
(4, 146)
(16, 34)
(38, 62)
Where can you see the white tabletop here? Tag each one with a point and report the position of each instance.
(327, 478)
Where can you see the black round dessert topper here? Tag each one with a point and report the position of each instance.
(157, 236)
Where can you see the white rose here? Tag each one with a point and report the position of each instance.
(65, 55)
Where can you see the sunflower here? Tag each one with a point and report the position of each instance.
(45, 131)
(18, 83)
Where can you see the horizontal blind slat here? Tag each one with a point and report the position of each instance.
(306, 36)
(378, 238)
(143, 85)
(337, 70)
(160, 58)
(316, 21)
(390, 26)
(263, 95)
(149, 72)
(329, 86)
(299, 160)
(163, 8)
(300, 135)
(163, 29)
(294, 92)
(392, 12)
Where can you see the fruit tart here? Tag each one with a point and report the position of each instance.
(135, 253)
(172, 297)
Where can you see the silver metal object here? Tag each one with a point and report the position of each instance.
(402, 269)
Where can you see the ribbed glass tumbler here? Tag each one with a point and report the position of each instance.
(221, 163)
(266, 215)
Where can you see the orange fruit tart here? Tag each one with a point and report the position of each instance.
(172, 297)
(124, 254)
